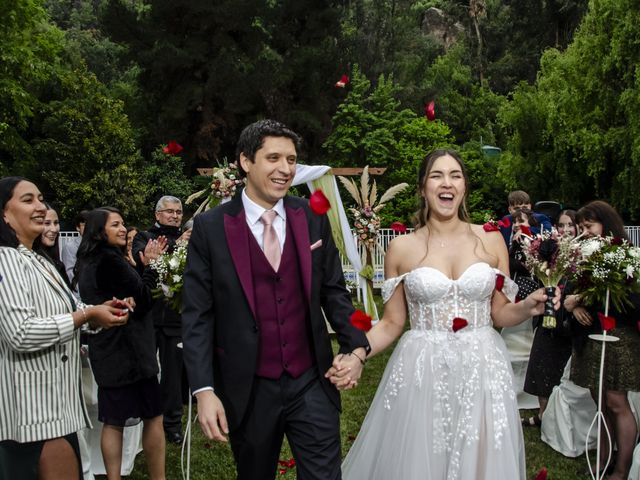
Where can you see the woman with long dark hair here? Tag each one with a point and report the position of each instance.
(551, 347)
(123, 360)
(622, 369)
(446, 406)
(41, 403)
(49, 241)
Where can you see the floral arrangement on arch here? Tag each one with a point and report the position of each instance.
(170, 269)
(225, 180)
(365, 216)
(608, 263)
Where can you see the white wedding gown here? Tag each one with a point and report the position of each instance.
(445, 407)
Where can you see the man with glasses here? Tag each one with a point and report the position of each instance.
(168, 324)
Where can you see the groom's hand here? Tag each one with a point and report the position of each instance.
(213, 420)
(346, 369)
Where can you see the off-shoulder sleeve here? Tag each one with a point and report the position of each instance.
(505, 285)
(389, 286)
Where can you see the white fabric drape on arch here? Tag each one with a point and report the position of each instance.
(312, 173)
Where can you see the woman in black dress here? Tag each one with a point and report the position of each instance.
(551, 347)
(622, 369)
(123, 359)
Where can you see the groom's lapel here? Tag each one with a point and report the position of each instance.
(300, 228)
(237, 233)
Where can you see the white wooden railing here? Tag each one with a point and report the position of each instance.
(386, 235)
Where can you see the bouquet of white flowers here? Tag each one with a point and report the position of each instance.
(170, 268)
(608, 263)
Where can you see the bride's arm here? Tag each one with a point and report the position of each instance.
(390, 326)
(504, 312)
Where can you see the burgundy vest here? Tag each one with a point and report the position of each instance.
(282, 312)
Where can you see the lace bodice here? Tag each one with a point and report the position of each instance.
(434, 300)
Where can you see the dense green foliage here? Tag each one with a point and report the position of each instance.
(371, 128)
(209, 68)
(90, 88)
(574, 134)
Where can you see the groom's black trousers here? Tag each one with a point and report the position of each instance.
(299, 408)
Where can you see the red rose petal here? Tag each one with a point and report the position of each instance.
(490, 227)
(526, 230)
(607, 323)
(398, 227)
(458, 323)
(504, 223)
(499, 282)
(343, 82)
(318, 203)
(542, 474)
(430, 110)
(172, 148)
(361, 320)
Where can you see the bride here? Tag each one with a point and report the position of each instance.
(445, 407)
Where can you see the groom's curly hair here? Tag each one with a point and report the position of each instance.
(252, 138)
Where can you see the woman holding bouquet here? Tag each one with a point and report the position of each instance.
(622, 369)
(123, 359)
(551, 347)
(445, 407)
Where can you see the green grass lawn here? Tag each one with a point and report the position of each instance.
(213, 461)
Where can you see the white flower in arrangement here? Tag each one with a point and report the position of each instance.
(629, 271)
(166, 291)
(224, 184)
(634, 252)
(174, 263)
(590, 246)
(169, 267)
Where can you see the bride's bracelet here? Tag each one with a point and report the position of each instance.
(362, 361)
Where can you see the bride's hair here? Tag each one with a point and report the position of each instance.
(422, 215)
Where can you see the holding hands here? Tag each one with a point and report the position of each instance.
(347, 369)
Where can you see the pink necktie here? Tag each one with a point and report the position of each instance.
(271, 245)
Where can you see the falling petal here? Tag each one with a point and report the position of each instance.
(319, 203)
(430, 110)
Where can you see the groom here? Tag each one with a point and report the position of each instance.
(256, 347)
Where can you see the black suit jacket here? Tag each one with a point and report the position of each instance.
(220, 331)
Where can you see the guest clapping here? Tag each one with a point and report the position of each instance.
(41, 403)
(123, 359)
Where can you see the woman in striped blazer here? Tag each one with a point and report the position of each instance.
(41, 403)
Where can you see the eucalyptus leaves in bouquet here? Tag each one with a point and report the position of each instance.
(608, 263)
(170, 269)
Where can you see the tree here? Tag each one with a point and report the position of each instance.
(84, 154)
(210, 68)
(574, 135)
(29, 49)
(371, 128)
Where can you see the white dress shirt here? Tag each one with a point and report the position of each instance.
(253, 212)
